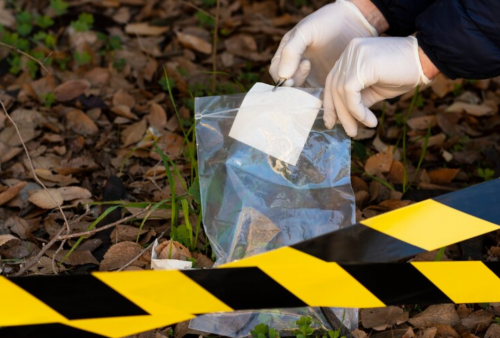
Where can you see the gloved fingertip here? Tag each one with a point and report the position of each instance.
(288, 83)
(370, 119)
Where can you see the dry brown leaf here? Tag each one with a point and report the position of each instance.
(8, 239)
(19, 226)
(76, 257)
(379, 163)
(126, 233)
(446, 331)
(157, 116)
(493, 331)
(172, 250)
(202, 261)
(70, 90)
(122, 98)
(436, 314)
(73, 193)
(441, 85)
(194, 42)
(427, 333)
(422, 122)
(124, 111)
(143, 28)
(478, 321)
(381, 318)
(443, 175)
(359, 334)
(98, 76)
(133, 133)
(61, 180)
(396, 172)
(119, 255)
(42, 198)
(80, 123)
(364, 133)
(11, 192)
(471, 109)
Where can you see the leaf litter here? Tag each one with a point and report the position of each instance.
(106, 104)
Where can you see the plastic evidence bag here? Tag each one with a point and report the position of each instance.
(271, 175)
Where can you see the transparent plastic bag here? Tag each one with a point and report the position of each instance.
(253, 202)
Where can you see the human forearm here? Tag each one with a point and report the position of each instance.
(372, 14)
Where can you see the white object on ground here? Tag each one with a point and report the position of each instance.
(167, 264)
(276, 122)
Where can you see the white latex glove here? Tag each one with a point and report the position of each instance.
(311, 48)
(370, 70)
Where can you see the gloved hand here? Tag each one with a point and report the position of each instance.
(370, 70)
(311, 48)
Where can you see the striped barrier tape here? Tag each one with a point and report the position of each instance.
(339, 269)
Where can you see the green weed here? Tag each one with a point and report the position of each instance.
(486, 173)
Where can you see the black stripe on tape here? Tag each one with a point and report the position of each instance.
(46, 331)
(481, 200)
(494, 266)
(357, 244)
(396, 284)
(79, 297)
(245, 288)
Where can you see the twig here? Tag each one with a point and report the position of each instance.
(214, 47)
(335, 323)
(14, 49)
(107, 226)
(35, 176)
(198, 9)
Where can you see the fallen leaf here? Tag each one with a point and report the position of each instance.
(8, 239)
(359, 334)
(70, 90)
(443, 175)
(46, 199)
(381, 318)
(427, 333)
(446, 331)
(471, 109)
(194, 42)
(18, 226)
(202, 261)
(422, 122)
(73, 193)
(379, 163)
(395, 333)
(493, 331)
(126, 233)
(143, 28)
(396, 172)
(441, 85)
(61, 180)
(80, 123)
(124, 111)
(11, 192)
(76, 257)
(121, 98)
(119, 255)
(133, 133)
(436, 314)
(478, 321)
(157, 116)
(172, 250)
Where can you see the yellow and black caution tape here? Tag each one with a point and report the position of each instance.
(340, 269)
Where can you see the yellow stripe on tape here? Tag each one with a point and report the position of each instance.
(158, 292)
(463, 282)
(430, 225)
(18, 307)
(126, 326)
(308, 277)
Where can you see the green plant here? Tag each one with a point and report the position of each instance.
(497, 320)
(486, 173)
(264, 331)
(84, 22)
(24, 23)
(111, 43)
(59, 6)
(305, 329)
(48, 99)
(82, 58)
(44, 21)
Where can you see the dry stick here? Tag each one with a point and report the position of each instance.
(107, 226)
(14, 49)
(66, 223)
(214, 47)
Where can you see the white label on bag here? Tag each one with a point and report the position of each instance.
(276, 122)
